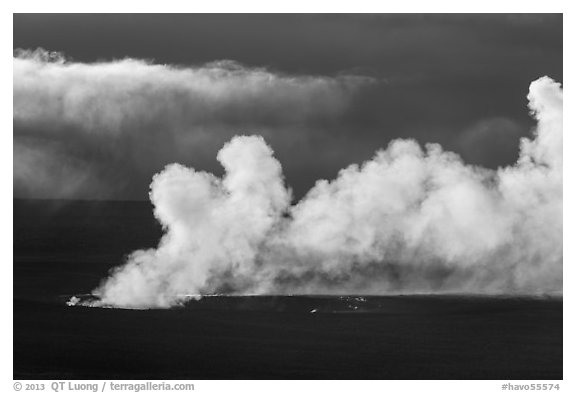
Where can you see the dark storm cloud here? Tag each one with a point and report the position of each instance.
(452, 79)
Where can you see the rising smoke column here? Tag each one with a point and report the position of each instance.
(213, 226)
(410, 220)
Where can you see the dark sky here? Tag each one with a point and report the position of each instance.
(360, 81)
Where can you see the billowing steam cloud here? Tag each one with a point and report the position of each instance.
(409, 220)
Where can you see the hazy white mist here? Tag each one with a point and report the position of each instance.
(80, 129)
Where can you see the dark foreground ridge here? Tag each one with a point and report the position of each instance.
(282, 337)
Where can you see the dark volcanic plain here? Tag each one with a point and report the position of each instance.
(66, 248)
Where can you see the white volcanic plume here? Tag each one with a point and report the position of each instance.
(409, 220)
